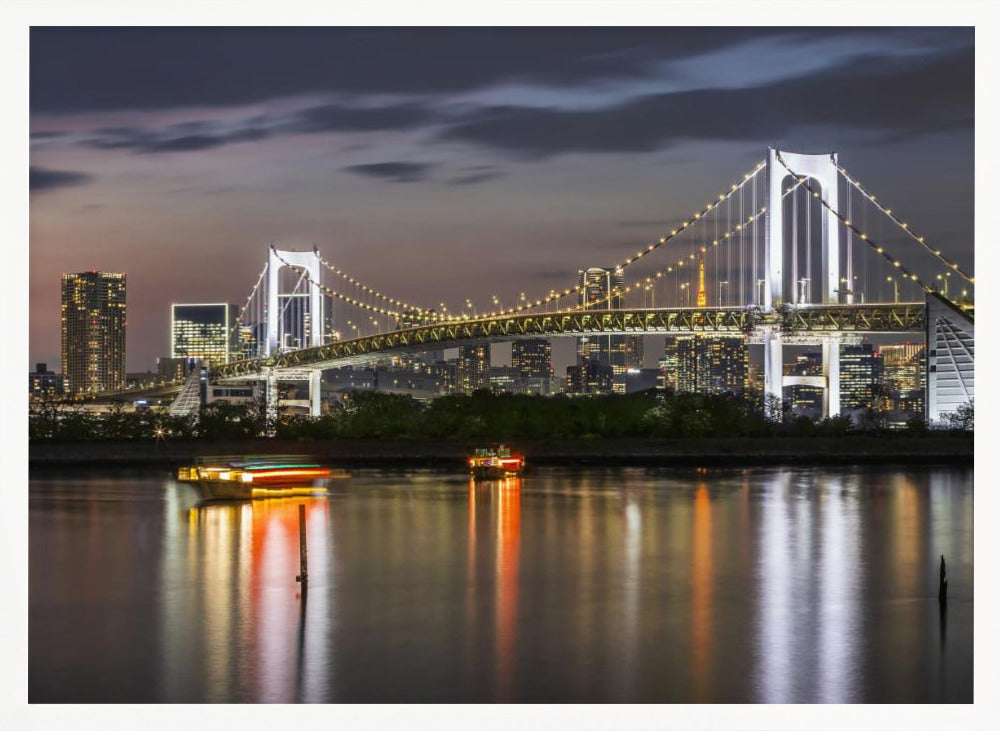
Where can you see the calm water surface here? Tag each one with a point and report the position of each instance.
(588, 585)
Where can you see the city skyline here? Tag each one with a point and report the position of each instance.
(441, 167)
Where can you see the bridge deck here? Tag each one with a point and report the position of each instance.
(866, 318)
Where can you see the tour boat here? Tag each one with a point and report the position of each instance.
(495, 464)
(245, 478)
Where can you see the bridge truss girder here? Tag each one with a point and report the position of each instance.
(793, 321)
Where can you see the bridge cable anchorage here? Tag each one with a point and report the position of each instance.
(729, 235)
(874, 245)
(906, 228)
(685, 226)
(375, 293)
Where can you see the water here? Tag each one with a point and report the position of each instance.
(589, 585)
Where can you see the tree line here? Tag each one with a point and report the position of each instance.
(481, 415)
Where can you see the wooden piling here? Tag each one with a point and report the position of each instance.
(303, 576)
(943, 583)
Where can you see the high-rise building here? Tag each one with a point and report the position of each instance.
(589, 377)
(860, 377)
(206, 331)
(705, 364)
(601, 289)
(93, 331)
(803, 399)
(43, 383)
(532, 359)
(635, 352)
(903, 373)
(472, 371)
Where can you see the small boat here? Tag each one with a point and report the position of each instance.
(249, 478)
(495, 464)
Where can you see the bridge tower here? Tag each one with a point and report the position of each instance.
(309, 263)
(822, 169)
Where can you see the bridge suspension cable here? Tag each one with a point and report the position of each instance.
(373, 292)
(729, 235)
(246, 305)
(874, 245)
(906, 227)
(641, 253)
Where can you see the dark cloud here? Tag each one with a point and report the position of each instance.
(896, 98)
(396, 171)
(206, 134)
(85, 69)
(41, 180)
(338, 118)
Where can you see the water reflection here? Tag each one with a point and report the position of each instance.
(610, 585)
(256, 634)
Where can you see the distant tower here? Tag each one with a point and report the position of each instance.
(702, 300)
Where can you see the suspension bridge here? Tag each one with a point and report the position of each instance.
(795, 252)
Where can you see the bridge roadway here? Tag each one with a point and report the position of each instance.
(793, 320)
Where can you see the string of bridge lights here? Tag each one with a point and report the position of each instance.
(246, 305)
(874, 245)
(749, 221)
(906, 227)
(664, 239)
(555, 296)
(420, 311)
(339, 295)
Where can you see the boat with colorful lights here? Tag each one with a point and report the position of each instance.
(252, 478)
(495, 464)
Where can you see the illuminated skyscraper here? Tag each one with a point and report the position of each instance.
(601, 289)
(93, 331)
(472, 372)
(805, 399)
(860, 377)
(532, 359)
(903, 372)
(705, 364)
(206, 331)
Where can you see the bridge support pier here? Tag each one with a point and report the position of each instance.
(270, 402)
(831, 372)
(773, 374)
(315, 393)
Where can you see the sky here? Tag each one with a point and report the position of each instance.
(445, 164)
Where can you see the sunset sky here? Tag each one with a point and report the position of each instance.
(452, 163)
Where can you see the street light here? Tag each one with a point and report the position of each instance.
(725, 282)
(803, 283)
(760, 285)
(687, 293)
(944, 280)
(895, 288)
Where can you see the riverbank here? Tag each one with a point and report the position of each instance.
(854, 449)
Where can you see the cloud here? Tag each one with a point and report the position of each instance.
(396, 171)
(206, 134)
(41, 180)
(97, 69)
(892, 97)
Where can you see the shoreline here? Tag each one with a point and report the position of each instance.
(596, 452)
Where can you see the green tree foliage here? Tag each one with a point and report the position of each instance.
(482, 415)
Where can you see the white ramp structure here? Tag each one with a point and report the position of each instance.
(951, 355)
